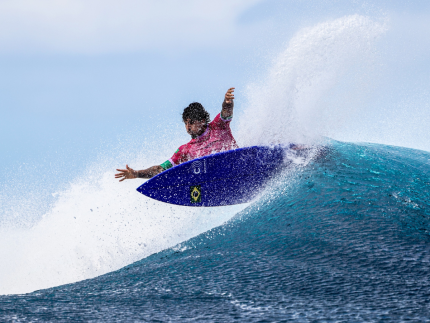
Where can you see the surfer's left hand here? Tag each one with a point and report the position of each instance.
(229, 96)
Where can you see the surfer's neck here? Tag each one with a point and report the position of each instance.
(201, 132)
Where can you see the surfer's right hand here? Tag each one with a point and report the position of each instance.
(126, 173)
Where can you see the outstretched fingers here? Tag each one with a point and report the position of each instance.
(230, 95)
(126, 173)
(122, 174)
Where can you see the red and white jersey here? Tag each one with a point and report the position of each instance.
(216, 138)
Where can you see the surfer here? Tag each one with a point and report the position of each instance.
(206, 138)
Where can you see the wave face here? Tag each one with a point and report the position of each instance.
(344, 238)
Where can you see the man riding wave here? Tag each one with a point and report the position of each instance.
(207, 138)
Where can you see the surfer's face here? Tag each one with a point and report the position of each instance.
(195, 128)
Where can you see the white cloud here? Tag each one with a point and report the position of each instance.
(100, 26)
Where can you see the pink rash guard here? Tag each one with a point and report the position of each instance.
(216, 138)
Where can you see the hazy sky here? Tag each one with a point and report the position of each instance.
(77, 75)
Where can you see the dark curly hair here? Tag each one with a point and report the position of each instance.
(196, 112)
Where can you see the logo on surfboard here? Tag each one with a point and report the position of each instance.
(198, 167)
(196, 194)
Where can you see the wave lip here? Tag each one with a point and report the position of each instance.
(344, 238)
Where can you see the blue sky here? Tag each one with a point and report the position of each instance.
(78, 75)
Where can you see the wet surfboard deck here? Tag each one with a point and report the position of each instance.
(226, 178)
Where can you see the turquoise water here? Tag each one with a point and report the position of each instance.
(344, 238)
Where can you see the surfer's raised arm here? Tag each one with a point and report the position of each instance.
(207, 137)
(228, 104)
(130, 173)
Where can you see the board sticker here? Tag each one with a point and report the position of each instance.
(198, 167)
(196, 194)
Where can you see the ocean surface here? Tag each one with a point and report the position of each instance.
(344, 237)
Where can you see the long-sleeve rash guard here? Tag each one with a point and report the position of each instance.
(216, 138)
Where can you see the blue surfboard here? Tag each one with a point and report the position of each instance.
(226, 178)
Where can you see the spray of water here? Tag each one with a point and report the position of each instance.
(95, 226)
(308, 90)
